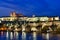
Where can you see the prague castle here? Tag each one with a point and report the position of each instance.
(13, 16)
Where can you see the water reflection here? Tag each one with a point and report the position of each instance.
(28, 36)
(2, 33)
(54, 37)
(23, 36)
(11, 35)
(7, 35)
(47, 36)
(34, 35)
(16, 35)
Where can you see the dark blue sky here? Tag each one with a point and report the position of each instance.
(30, 7)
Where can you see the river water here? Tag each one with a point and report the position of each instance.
(28, 36)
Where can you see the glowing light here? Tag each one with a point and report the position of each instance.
(34, 35)
(33, 29)
(43, 18)
(56, 18)
(23, 36)
(7, 35)
(11, 35)
(47, 36)
(0, 21)
(23, 28)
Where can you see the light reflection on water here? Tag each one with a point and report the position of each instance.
(16, 35)
(11, 35)
(28, 36)
(34, 35)
(23, 36)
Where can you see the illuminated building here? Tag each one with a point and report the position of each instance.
(13, 14)
(56, 18)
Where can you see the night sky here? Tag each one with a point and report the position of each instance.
(30, 7)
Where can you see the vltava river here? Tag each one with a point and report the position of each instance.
(28, 36)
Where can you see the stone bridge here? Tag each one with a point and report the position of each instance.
(40, 25)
